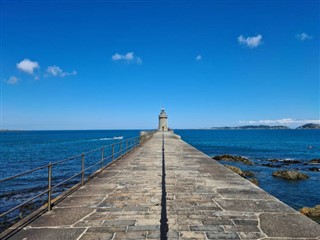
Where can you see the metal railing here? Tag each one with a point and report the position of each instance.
(117, 151)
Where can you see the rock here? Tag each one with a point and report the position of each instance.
(290, 175)
(315, 161)
(285, 161)
(291, 161)
(274, 160)
(236, 170)
(227, 157)
(242, 173)
(254, 181)
(248, 173)
(314, 169)
(270, 165)
(311, 212)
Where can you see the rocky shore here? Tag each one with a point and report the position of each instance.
(311, 212)
(290, 175)
(245, 174)
(231, 158)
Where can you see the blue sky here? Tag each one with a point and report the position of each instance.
(113, 65)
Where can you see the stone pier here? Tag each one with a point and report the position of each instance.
(204, 200)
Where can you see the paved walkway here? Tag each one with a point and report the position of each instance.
(204, 201)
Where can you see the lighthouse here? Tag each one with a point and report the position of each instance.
(163, 122)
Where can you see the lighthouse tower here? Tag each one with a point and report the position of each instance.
(163, 122)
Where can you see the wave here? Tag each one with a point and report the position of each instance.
(100, 139)
(91, 140)
(286, 159)
(121, 137)
(105, 139)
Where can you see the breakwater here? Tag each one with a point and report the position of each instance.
(204, 200)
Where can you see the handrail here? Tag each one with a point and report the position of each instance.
(64, 181)
(24, 173)
(67, 159)
(61, 161)
(130, 144)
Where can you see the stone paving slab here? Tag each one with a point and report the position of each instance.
(208, 201)
(50, 234)
(205, 200)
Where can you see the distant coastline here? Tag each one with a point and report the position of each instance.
(8, 130)
(267, 127)
(309, 126)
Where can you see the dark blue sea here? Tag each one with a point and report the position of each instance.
(25, 150)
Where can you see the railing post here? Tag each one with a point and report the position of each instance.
(120, 149)
(112, 152)
(127, 144)
(82, 169)
(49, 185)
(102, 158)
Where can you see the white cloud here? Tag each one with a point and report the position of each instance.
(54, 70)
(117, 57)
(27, 66)
(284, 121)
(12, 80)
(58, 72)
(129, 57)
(251, 42)
(303, 36)
(73, 73)
(198, 58)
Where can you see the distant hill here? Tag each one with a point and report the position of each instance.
(309, 126)
(7, 130)
(250, 127)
